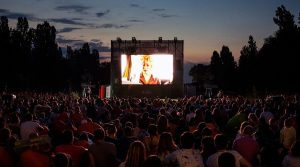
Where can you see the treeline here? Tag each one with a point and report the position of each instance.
(30, 59)
(275, 67)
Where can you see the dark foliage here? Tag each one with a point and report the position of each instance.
(275, 67)
(31, 59)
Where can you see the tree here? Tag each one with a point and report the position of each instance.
(228, 75)
(216, 66)
(200, 73)
(247, 64)
(279, 56)
(4, 50)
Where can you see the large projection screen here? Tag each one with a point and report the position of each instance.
(153, 69)
(147, 68)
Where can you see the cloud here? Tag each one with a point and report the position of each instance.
(163, 15)
(67, 29)
(4, 11)
(16, 15)
(112, 26)
(99, 46)
(61, 40)
(101, 14)
(77, 44)
(67, 21)
(158, 10)
(73, 8)
(133, 5)
(95, 40)
(135, 21)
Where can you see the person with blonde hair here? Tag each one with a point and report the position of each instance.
(136, 155)
(146, 76)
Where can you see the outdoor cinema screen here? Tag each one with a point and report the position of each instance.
(153, 69)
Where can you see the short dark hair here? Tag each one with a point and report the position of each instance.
(187, 140)
(226, 159)
(220, 141)
(152, 161)
(99, 134)
(68, 136)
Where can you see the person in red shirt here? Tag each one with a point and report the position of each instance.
(77, 152)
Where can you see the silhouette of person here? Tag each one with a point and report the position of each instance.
(146, 76)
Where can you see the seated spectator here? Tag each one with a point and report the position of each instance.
(187, 156)
(247, 146)
(293, 159)
(208, 147)
(77, 152)
(62, 160)
(151, 142)
(36, 156)
(166, 145)
(152, 161)
(287, 134)
(103, 153)
(28, 127)
(136, 155)
(7, 155)
(221, 146)
(226, 159)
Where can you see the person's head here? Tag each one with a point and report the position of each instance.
(220, 142)
(62, 160)
(166, 143)
(243, 125)
(111, 130)
(136, 154)
(99, 134)
(128, 131)
(248, 130)
(68, 136)
(147, 65)
(83, 136)
(287, 122)
(187, 140)
(152, 129)
(208, 144)
(152, 161)
(162, 124)
(226, 159)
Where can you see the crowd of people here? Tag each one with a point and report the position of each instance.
(60, 130)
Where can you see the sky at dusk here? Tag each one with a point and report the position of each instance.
(204, 25)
